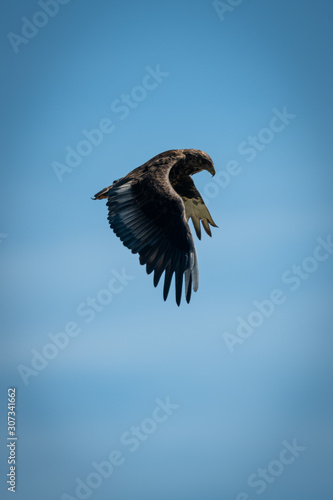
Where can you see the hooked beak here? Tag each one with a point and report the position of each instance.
(211, 169)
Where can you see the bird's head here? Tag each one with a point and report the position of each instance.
(199, 161)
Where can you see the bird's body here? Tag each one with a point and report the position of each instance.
(149, 210)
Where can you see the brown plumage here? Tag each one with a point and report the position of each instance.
(149, 210)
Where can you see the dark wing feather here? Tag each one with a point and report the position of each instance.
(149, 218)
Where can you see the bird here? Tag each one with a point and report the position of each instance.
(149, 210)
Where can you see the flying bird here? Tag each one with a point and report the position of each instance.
(149, 210)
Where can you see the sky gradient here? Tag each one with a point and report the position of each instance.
(191, 402)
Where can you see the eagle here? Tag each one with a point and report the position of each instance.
(149, 210)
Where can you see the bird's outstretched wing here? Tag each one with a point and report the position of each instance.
(195, 207)
(149, 217)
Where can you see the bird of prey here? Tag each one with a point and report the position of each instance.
(149, 210)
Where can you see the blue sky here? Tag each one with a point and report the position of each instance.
(197, 76)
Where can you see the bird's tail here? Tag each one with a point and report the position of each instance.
(102, 194)
(105, 192)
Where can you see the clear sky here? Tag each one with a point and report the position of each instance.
(229, 397)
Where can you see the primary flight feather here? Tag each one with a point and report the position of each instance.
(149, 210)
